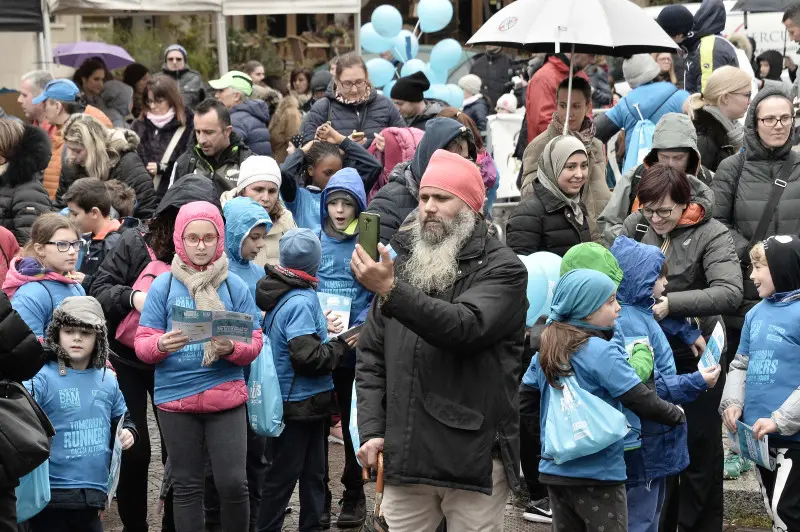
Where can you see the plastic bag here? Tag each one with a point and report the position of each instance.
(33, 492)
(354, 422)
(579, 423)
(264, 400)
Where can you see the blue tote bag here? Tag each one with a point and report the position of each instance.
(264, 400)
(33, 492)
(579, 423)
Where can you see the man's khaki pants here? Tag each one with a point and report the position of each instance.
(420, 508)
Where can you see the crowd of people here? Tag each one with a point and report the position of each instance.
(125, 200)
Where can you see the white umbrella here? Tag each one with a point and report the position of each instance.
(607, 27)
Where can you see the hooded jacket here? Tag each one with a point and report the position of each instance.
(191, 85)
(123, 264)
(370, 117)
(242, 215)
(153, 143)
(742, 187)
(432, 109)
(438, 375)
(22, 196)
(775, 61)
(708, 49)
(704, 279)
(540, 96)
(674, 130)
(400, 196)
(400, 145)
(128, 169)
(712, 139)
(595, 194)
(222, 170)
(182, 383)
(250, 120)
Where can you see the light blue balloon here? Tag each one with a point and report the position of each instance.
(445, 55)
(455, 96)
(550, 263)
(380, 71)
(371, 41)
(438, 92)
(405, 46)
(434, 15)
(412, 67)
(387, 21)
(436, 77)
(537, 289)
(387, 89)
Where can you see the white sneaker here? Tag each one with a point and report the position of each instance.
(538, 512)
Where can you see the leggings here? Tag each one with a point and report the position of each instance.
(224, 436)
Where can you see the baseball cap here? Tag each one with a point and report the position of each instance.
(63, 90)
(235, 80)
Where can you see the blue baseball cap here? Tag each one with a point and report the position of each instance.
(63, 90)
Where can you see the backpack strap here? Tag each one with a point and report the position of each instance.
(640, 230)
(267, 330)
(778, 186)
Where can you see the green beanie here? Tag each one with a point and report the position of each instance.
(592, 256)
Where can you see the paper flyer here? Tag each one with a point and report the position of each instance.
(116, 463)
(745, 444)
(338, 305)
(713, 350)
(201, 325)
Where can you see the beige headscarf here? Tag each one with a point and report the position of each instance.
(552, 162)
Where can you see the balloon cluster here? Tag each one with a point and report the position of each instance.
(385, 33)
(544, 270)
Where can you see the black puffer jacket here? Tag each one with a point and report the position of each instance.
(543, 222)
(478, 111)
(129, 169)
(742, 189)
(712, 140)
(438, 376)
(370, 117)
(153, 143)
(400, 195)
(123, 264)
(22, 195)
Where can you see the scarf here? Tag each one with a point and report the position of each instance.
(161, 120)
(552, 162)
(24, 270)
(297, 274)
(733, 128)
(585, 134)
(202, 286)
(577, 295)
(358, 101)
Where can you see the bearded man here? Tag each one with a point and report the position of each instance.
(439, 359)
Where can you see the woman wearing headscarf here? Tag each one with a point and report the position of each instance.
(553, 219)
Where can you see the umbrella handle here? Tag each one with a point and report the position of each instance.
(365, 474)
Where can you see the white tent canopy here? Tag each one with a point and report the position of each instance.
(139, 7)
(281, 7)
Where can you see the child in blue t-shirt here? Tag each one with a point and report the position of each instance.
(762, 386)
(577, 341)
(85, 405)
(246, 226)
(307, 171)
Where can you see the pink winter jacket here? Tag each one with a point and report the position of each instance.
(401, 143)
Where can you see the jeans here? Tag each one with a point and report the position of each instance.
(298, 454)
(224, 436)
(57, 520)
(645, 502)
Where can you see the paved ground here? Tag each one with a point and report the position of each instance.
(742, 500)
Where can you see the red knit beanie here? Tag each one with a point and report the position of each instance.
(456, 175)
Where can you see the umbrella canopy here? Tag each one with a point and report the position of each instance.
(763, 6)
(607, 27)
(76, 53)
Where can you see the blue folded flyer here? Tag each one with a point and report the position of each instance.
(202, 325)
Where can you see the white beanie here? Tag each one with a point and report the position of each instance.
(470, 83)
(640, 69)
(506, 102)
(258, 168)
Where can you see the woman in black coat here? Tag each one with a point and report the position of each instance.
(352, 104)
(24, 154)
(553, 219)
(163, 118)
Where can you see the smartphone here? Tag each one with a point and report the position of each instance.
(369, 228)
(352, 331)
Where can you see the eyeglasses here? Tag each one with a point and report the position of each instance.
(63, 245)
(193, 240)
(772, 121)
(747, 95)
(662, 212)
(347, 85)
(156, 101)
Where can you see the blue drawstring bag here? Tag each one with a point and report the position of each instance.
(579, 423)
(640, 143)
(33, 492)
(264, 400)
(354, 423)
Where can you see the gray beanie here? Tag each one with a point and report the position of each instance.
(470, 83)
(300, 250)
(640, 69)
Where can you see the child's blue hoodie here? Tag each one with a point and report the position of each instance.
(241, 216)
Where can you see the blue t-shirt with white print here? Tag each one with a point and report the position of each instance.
(305, 209)
(80, 405)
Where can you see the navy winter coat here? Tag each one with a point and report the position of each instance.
(249, 120)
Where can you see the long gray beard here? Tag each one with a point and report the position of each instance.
(433, 264)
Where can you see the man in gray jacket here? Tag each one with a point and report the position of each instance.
(674, 144)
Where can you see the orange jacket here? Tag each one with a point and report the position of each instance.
(540, 96)
(52, 173)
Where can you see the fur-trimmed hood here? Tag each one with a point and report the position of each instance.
(30, 159)
(84, 312)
